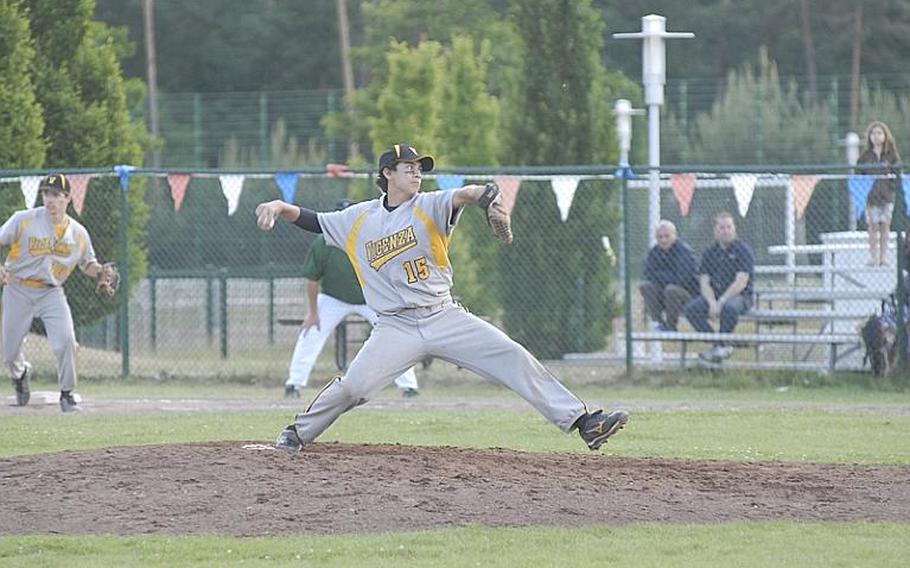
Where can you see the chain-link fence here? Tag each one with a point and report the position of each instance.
(211, 294)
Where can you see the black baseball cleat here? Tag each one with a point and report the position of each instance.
(290, 391)
(288, 440)
(410, 392)
(67, 402)
(23, 391)
(595, 428)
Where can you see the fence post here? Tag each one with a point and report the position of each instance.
(271, 307)
(264, 128)
(209, 310)
(627, 283)
(224, 314)
(197, 129)
(901, 218)
(153, 300)
(125, 276)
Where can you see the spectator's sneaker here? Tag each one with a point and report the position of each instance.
(67, 402)
(288, 440)
(666, 327)
(23, 391)
(724, 352)
(290, 391)
(595, 428)
(710, 355)
(410, 392)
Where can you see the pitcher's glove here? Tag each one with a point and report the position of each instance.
(108, 281)
(491, 202)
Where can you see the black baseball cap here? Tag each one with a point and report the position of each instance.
(405, 153)
(55, 182)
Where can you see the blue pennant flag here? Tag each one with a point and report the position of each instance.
(124, 172)
(859, 187)
(449, 181)
(287, 182)
(624, 172)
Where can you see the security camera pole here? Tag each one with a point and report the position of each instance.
(654, 77)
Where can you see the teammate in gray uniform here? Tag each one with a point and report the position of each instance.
(46, 245)
(398, 245)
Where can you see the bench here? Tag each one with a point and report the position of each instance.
(822, 295)
(832, 340)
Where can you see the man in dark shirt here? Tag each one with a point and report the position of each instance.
(668, 279)
(725, 281)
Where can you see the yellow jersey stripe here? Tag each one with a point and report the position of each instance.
(16, 248)
(439, 243)
(351, 247)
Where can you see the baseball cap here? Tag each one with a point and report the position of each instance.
(55, 182)
(405, 153)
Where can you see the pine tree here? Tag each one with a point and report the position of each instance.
(21, 120)
(559, 297)
(83, 94)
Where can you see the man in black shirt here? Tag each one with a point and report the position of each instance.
(725, 281)
(669, 279)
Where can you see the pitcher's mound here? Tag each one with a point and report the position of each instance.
(248, 488)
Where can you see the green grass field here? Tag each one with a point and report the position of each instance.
(828, 425)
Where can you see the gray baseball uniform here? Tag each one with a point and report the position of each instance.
(41, 258)
(401, 259)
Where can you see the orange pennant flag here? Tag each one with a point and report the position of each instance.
(178, 183)
(338, 170)
(78, 189)
(683, 190)
(803, 186)
(508, 185)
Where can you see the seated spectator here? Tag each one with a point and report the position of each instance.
(668, 279)
(725, 283)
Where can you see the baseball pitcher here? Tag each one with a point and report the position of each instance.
(398, 246)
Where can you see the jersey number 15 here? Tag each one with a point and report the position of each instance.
(416, 269)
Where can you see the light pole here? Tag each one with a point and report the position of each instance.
(653, 77)
(624, 113)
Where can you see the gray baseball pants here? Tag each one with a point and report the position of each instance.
(448, 332)
(20, 305)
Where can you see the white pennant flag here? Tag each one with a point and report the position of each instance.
(743, 188)
(231, 187)
(30, 189)
(564, 187)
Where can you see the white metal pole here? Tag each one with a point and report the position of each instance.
(790, 212)
(653, 171)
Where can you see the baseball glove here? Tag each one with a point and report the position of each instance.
(108, 281)
(491, 202)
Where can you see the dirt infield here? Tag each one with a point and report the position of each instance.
(331, 488)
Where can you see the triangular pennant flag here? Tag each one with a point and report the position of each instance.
(624, 172)
(683, 190)
(803, 186)
(859, 187)
(178, 183)
(564, 187)
(29, 186)
(338, 170)
(449, 181)
(79, 187)
(743, 188)
(287, 182)
(124, 172)
(231, 187)
(508, 185)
